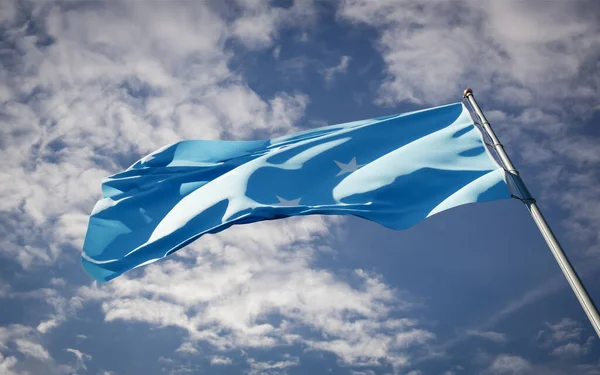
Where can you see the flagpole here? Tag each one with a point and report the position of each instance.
(584, 299)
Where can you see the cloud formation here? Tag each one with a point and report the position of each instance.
(330, 73)
(88, 99)
(533, 68)
(86, 89)
(223, 292)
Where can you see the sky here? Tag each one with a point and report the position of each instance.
(87, 88)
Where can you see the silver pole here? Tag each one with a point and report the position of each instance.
(584, 299)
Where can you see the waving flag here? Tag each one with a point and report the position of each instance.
(395, 170)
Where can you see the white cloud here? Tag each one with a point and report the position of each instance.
(159, 74)
(565, 329)
(32, 349)
(224, 290)
(257, 31)
(80, 358)
(17, 338)
(257, 367)
(103, 93)
(7, 365)
(57, 281)
(564, 339)
(98, 95)
(508, 364)
(506, 45)
(556, 333)
(259, 23)
(537, 63)
(330, 73)
(172, 367)
(48, 325)
(187, 347)
(573, 349)
(140, 309)
(78, 354)
(10, 333)
(220, 361)
(496, 337)
(41, 293)
(63, 310)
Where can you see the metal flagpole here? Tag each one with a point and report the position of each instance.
(578, 288)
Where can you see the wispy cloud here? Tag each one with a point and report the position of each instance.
(564, 339)
(80, 358)
(330, 73)
(7, 365)
(94, 98)
(573, 349)
(508, 364)
(496, 337)
(32, 349)
(87, 101)
(534, 62)
(26, 351)
(245, 281)
(271, 367)
(259, 22)
(63, 310)
(220, 361)
(563, 330)
(96, 86)
(500, 46)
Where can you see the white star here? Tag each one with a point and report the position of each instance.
(286, 203)
(349, 167)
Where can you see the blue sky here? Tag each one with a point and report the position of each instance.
(86, 88)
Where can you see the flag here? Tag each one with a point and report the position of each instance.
(395, 170)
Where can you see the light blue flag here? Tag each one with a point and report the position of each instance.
(395, 170)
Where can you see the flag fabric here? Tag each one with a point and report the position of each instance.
(394, 170)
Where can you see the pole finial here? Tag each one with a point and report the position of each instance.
(467, 92)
